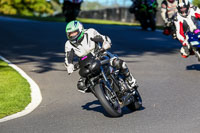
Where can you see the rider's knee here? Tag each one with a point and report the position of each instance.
(118, 63)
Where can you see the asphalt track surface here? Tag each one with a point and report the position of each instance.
(169, 85)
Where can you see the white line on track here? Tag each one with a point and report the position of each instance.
(36, 96)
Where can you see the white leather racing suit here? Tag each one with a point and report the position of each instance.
(168, 10)
(84, 47)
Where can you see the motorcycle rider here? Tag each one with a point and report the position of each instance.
(143, 10)
(135, 8)
(137, 4)
(81, 42)
(69, 6)
(168, 10)
(186, 20)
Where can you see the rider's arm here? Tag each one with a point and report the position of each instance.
(105, 40)
(69, 54)
(179, 31)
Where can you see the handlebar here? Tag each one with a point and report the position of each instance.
(99, 54)
(105, 61)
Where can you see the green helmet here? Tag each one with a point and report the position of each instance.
(75, 31)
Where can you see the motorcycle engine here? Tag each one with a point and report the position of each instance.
(123, 85)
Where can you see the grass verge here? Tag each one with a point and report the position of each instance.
(100, 21)
(14, 91)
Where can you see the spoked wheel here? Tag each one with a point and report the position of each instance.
(108, 100)
(137, 103)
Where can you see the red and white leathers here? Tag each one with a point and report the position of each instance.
(185, 24)
(168, 10)
(75, 1)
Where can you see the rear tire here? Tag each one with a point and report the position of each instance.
(137, 103)
(112, 108)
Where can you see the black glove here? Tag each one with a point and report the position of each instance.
(97, 38)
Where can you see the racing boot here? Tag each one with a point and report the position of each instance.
(130, 80)
(185, 52)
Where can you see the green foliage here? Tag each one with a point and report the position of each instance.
(196, 3)
(25, 7)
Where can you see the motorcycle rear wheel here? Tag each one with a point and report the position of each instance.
(104, 95)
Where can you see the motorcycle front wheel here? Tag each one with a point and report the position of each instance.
(197, 54)
(152, 22)
(109, 101)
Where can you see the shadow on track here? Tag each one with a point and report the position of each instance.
(193, 67)
(4, 68)
(96, 106)
(43, 42)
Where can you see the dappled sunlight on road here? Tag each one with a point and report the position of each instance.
(43, 42)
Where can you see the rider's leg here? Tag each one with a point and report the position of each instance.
(121, 65)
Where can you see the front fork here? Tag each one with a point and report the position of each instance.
(108, 85)
(196, 52)
(126, 99)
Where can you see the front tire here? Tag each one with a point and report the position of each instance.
(111, 106)
(152, 22)
(197, 53)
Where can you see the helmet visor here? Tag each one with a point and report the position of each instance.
(183, 9)
(73, 35)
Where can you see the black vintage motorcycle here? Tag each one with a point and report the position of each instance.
(107, 84)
